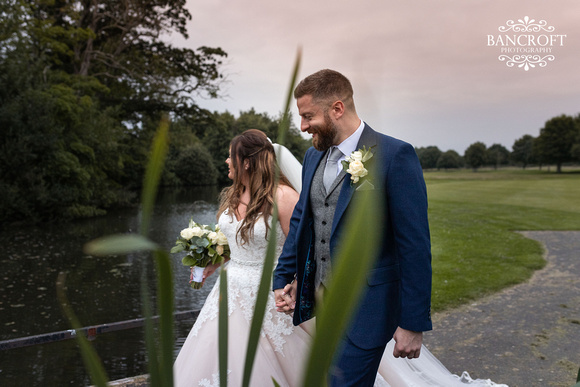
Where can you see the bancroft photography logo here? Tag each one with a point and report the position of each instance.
(526, 43)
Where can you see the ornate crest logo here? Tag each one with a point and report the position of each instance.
(526, 43)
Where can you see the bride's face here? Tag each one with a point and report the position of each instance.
(231, 170)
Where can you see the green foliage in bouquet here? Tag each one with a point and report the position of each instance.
(205, 244)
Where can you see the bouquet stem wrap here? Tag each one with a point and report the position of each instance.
(196, 277)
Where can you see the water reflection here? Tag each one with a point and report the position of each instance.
(100, 290)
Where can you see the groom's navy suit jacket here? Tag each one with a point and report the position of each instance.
(398, 291)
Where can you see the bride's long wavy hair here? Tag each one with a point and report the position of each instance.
(252, 157)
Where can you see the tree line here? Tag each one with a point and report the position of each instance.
(557, 143)
(83, 86)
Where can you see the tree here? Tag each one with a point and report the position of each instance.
(556, 139)
(449, 160)
(428, 156)
(82, 87)
(195, 167)
(497, 155)
(575, 151)
(475, 155)
(522, 151)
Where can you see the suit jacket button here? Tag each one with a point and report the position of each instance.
(323, 241)
(324, 222)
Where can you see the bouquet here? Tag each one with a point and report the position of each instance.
(205, 245)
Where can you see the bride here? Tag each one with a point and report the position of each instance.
(244, 217)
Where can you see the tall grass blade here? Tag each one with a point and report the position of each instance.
(91, 360)
(261, 301)
(165, 309)
(119, 244)
(223, 328)
(265, 281)
(152, 353)
(285, 122)
(356, 257)
(160, 354)
(153, 173)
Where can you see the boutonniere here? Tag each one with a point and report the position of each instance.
(355, 164)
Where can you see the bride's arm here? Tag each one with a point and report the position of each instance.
(211, 268)
(286, 199)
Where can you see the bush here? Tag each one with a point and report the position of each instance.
(194, 166)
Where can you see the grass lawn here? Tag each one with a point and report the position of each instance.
(474, 217)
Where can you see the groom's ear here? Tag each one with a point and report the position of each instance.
(337, 109)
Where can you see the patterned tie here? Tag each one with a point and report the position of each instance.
(330, 168)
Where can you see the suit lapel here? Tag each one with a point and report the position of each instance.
(368, 139)
(309, 175)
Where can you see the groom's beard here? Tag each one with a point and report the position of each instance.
(325, 134)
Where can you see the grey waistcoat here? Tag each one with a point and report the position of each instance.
(323, 206)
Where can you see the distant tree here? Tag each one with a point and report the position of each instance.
(497, 155)
(195, 167)
(522, 151)
(82, 87)
(449, 160)
(575, 151)
(428, 156)
(556, 139)
(475, 155)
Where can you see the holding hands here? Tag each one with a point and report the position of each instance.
(286, 298)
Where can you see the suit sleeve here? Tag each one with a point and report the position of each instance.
(286, 268)
(407, 206)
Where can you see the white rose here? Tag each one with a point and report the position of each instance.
(198, 232)
(213, 237)
(219, 249)
(357, 169)
(187, 233)
(356, 156)
(221, 239)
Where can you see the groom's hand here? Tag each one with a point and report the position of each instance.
(407, 343)
(286, 298)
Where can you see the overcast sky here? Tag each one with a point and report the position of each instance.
(422, 70)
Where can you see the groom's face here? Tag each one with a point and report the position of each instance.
(316, 121)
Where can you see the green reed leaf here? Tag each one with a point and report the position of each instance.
(285, 122)
(118, 244)
(265, 281)
(153, 173)
(223, 328)
(152, 353)
(353, 262)
(91, 360)
(261, 300)
(165, 308)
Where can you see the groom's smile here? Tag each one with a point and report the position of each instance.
(316, 122)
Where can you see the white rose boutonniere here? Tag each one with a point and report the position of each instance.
(355, 164)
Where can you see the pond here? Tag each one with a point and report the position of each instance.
(101, 290)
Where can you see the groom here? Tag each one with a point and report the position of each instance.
(396, 301)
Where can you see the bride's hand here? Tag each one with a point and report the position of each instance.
(286, 298)
(209, 270)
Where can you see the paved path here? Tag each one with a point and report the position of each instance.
(527, 335)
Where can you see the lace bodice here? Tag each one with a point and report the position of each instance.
(253, 252)
(244, 271)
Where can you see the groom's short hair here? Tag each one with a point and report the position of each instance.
(326, 86)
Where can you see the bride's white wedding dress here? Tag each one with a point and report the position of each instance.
(282, 348)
